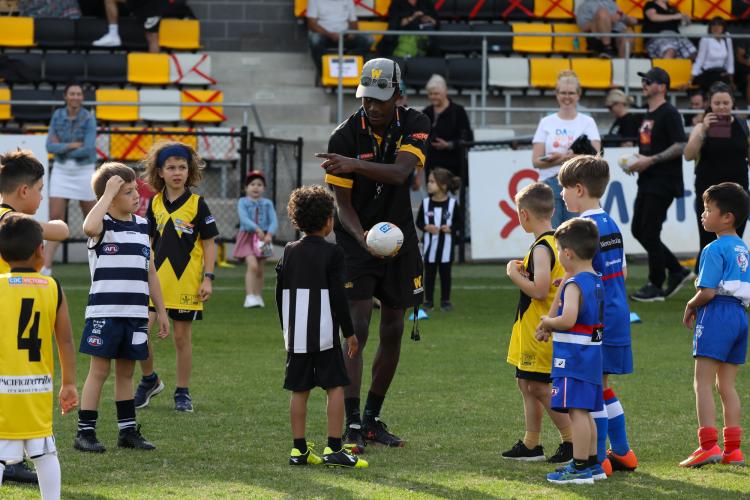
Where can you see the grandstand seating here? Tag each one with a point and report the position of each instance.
(148, 69)
(16, 32)
(535, 44)
(678, 69)
(634, 67)
(180, 34)
(465, 73)
(5, 108)
(352, 67)
(544, 71)
(63, 68)
(117, 113)
(568, 45)
(33, 64)
(27, 113)
(160, 113)
(54, 33)
(458, 44)
(212, 112)
(508, 72)
(107, 68)
(593, 73)
(420, 69)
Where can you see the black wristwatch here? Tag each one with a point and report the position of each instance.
(210, 276)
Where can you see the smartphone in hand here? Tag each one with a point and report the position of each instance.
(721, 128)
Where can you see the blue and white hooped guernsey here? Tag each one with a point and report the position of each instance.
(725, 267)
(119, 264)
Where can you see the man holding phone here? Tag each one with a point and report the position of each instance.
(659, 168)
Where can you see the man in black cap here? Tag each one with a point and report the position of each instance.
(369, 162)
(659, 168)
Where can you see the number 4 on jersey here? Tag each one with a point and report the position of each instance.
(32, 343)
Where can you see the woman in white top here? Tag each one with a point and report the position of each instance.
(715, 61)
(556, 133)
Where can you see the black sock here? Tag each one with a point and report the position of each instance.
(334, 443)
(373, 405)
(125, 414)
(581, 464)
(352, 411)
(301, 445)
(87, 420)
(593, 460)
(181, 390)
(150, 378)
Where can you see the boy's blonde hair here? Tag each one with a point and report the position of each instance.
(151, 165)
(106, 172)
(538, 199)
(592, 172)
(579, 235)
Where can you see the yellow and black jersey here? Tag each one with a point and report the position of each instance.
(375, 201)
(4, 210)
(177, 229)
(28, 308)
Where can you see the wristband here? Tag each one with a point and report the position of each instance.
(210, 276)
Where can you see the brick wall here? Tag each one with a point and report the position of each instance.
(249, 25)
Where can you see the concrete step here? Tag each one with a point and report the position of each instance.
(279, 114)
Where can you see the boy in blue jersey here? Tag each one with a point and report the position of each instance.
(718, 311)
(576, 333)
(584, 180)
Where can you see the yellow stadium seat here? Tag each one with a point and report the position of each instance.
(554, 9)
(148, 69)
(117, 113)
(130, 143)
(382, 7)
(352, 68)
(4, 108)
(684, 6)
(566, 44)
(373, 25)
(300, 8)
(708, 9)
(16, 31)
(180, 34)
(638, 43)
(593, 73)
(632, 8)
(209, 113)
(538, 44)
(544, 71)
(165, 134)
(678, 69)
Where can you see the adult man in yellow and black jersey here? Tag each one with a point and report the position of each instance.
(369, 161)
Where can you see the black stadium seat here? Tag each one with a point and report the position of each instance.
(454, 44)
(64, 68)
(54, 33)
(475, 9)
(515, 9)
(29, 113)
(107, 68)
(89, 29)
(498, 44)
(446, 9)
(132, 34)
(420, 69)
(30, 71)
(465, 73)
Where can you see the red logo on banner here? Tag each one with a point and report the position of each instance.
(507, 208)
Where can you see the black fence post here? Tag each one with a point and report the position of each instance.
(245, 151)
(299, 161)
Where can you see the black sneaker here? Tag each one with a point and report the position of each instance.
(19, 473)
(132, 438)
(377, 432)
(353, 439)
(446, 306)
(146, 390)
(522, 453)
(648, 293)
(86, 441)
(183, 402)
(342, 458)
(427, 306)
(675, 281)
(563, 455)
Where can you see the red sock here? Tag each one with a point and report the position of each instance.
(732, 438)
(707, 437)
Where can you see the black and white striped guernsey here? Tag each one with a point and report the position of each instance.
(310, 296)
(119, 261)
(437, 248)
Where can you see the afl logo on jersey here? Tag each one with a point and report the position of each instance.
(110, 248)
(94, 341)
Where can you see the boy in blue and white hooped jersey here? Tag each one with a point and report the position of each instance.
(123, 276)
(584, 180)
(577, 347)
(720, 335)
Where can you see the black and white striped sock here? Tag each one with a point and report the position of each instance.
(126, 414)
(87, 420)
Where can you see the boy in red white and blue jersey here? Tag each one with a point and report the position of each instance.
(576, 334)
(584, 180)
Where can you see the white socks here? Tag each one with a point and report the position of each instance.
(114, 30)
(48, 474)
(2, 470)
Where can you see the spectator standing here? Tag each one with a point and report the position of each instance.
(409, 15)
(556, 133)
(626, 124)
(715, 60)
(72, 139)
(660, 17)
(697, 102)
(148, 12)
(718, 159)
(604, 16)
(659, 169)
(450, 124)
(325, 20)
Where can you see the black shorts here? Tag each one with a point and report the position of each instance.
(323, 369)
(181, 314)
(147, 12)
(115, 338)
(397, 282)
(535, 376)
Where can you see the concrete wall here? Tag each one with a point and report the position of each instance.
(249, 25)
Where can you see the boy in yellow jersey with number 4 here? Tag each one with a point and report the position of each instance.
(33, 308)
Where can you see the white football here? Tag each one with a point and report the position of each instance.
(385, 239)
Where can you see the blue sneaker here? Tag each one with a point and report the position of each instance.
(183, 402)
(147, 390)
(597, 472)
(570, 475)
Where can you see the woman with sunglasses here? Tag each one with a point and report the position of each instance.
(556, 133)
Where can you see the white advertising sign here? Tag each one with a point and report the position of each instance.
(496, 176)
(37, 145)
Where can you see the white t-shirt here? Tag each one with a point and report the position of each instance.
(332, 15)
(557, 135)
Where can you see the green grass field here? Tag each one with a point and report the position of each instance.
(454, 399)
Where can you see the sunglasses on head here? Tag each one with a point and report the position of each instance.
(381, 83)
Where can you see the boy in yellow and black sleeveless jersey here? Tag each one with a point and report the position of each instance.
(35, 306)
(182, 235)
(538, 277)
